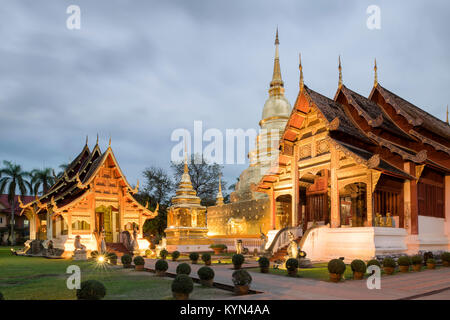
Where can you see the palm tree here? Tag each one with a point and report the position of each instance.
(63, 167)
(12, 178)
(42, 178)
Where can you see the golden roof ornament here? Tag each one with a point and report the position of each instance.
(97, 140)
(375, 69)
(340, 73)
(301, 71)
(87, 139)
(447, 115)
(276, 85)
(219, 197)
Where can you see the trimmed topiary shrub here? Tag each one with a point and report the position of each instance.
(161, 265)
(205, 273)
(374, 262)
(194, 257)
(206, 257)
(138, 261)
(175, 255)
(404, 261)
(431, 261)
(417, 259)
(291, 264)
(264, 262)
(163, 253)
(389, 263)
(126, 259)
(358, 266)
(182, 284)
(183, 268)
(241, 278)
(336, 266)
(94, 254)
(218, 246)
(238, 260)
(445, 257)
(91, 290)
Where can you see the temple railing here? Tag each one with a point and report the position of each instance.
(281, 239)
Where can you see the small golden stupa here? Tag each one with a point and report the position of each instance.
(186, 219)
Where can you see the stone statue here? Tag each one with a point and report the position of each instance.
(135, 244)
(264, 241)
(161, 246)
(378, 220)
(79, 253)
(238, 245)
(77, 244)
(292, 249)
(389, 220)
(102, 241)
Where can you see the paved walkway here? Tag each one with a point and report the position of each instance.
(428, 284)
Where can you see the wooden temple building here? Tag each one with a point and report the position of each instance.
(355, 176)
(91, 199)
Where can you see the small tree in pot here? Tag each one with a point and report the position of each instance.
(182, 286)
(241, 280)
(206, 276)
(264, 264)
(126, 260)
(183, 268)
(206, 257)
(431, 263)
(161, 267)
(403, 263)
(139, 263)
(218, 248)
(389, 265)
(292, 267)
(445, 257)
(194, 257)
(112, 258)
(163, 254)
(417, 262)
(175, 255)
(359, 269)
(91, 290)
(238, 260)
(336, 268)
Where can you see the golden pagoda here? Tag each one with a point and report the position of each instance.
(186, 219)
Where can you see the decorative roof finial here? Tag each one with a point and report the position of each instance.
(97, 139)
(276, 85)
(301, 71)
(277, 42)
(219, 197)
(186, 170)
(109, 142)
(375, 80)
(340, 73)
(447, 115)
(87, 139)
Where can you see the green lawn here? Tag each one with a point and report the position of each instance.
(38, 278)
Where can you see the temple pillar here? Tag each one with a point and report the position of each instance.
(369, 200)
(69, 224)
(414, 205)
(273, 207)
(295, 187)
(49, 225)
(335, 218)
(447, 204)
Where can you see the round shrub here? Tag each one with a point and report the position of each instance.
(241, 278)
(161, 265)
(183, 268)
(126, 259)
(218, 246)
(445, 256)
(389, 262)
(358, 266)
(182, 284)
(193, 256)
(111, 256)
(336, 266)
(431, 261)
(206, 257)
(91, 290)
(417, 259)
(94, 254)
(264, 262)
(205, 273)
(175, 255)
(238, 259)
(404, 261)
(163, 253)
(291, 264)
(373, 262)
(138, 261)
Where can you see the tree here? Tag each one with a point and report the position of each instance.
(63, 168)
(204, 178)
(13, 178)
(42, 178)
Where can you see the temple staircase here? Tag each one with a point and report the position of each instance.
(277, 249)
(118, 248)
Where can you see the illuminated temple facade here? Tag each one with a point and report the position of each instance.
(355, 177)
(93, 200)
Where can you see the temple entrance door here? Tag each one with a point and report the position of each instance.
(104, 221)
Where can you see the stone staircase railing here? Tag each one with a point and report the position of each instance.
(281, 239)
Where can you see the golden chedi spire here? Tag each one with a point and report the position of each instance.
(340, 73)
(276, 85)
(301, 71)
(375, 69)
(219, 197)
